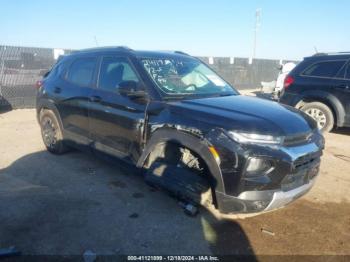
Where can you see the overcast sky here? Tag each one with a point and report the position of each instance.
(289, 29)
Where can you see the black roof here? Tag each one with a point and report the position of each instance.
(124, 49)
(104, 49)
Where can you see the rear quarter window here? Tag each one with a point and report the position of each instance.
(324, 69)
(58, 70)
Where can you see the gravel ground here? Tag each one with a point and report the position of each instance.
(75, 202)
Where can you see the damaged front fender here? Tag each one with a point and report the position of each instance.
(193, 143)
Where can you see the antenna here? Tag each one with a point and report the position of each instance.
(95, 38)
(316, 51)
(256, 28)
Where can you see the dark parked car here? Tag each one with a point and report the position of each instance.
(189, 130)
(320, 86)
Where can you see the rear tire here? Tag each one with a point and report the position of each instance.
(321, 113)
(51, 132)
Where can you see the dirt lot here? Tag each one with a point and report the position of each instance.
(75, 202)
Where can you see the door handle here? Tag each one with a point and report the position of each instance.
(57, 90)
(95, 99)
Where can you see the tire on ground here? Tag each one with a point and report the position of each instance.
(58, 147)
(325, 110)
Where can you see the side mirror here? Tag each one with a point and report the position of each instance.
(131, 89)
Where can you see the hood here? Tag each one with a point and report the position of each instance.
(248, 114)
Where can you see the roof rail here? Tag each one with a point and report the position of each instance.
(333, 53)
(319, 54)
(181, 53)
(121, 48)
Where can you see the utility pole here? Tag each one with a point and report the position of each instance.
(256, 29)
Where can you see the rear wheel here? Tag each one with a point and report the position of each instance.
(51, 132)
(321, 113)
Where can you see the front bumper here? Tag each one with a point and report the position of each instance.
(295, 170)
(280, 199)
(261, 201)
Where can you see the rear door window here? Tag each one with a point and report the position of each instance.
(341, 73)
(81, 71)
(347, 73)
(324, 69)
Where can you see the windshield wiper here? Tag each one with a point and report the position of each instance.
(227, 94)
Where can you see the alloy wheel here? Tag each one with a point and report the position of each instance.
(318, 115)
(49, 132)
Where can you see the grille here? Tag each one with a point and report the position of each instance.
(306, 161)
(305, 168)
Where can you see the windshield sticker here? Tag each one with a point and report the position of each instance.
(216, 80)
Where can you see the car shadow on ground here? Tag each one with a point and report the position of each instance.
(65, 205)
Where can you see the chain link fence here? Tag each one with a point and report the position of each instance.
(21, 67)
(245, 73)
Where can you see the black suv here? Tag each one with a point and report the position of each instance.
(320, 86)
(189, 131)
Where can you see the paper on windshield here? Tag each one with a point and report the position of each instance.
(216, 80)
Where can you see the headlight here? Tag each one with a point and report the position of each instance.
(258, 166)
(251, 138)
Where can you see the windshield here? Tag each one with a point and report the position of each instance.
(181, 76)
